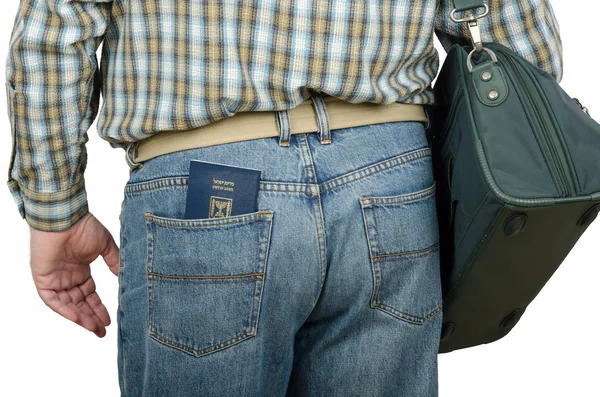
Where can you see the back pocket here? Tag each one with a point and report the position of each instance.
(403, 239)
(205, 279)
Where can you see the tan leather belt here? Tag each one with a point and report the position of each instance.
(263, 124)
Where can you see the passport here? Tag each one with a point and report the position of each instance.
(219, 190)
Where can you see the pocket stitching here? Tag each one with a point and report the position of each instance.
(205, 279)
(149, 264)
(200, 352)
(413, 254)
(254, 323)
(405, 316)
(209, 222)
(371, 202)
(257, 297)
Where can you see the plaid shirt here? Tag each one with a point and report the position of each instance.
(180, 64)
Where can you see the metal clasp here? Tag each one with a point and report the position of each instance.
(470, 62)
(473, 24)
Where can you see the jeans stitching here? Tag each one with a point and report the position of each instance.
(374, 264)
(265, 264)
(208, 279)
(322, 242)
(120, 313)
(174, 181)
(408, 198)
(149, 266)
(257, 287)
(409, 317)
(291, 187)
(367, 235)
(402, 255)
(204, 351)
(208, 222)
(373, 168)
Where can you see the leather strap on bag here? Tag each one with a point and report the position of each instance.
(463, 5)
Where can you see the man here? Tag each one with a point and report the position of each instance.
(331, 287)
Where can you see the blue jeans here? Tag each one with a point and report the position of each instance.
(331, 289)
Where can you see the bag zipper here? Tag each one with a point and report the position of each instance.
(535, 106)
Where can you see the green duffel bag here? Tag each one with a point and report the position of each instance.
(517, 165)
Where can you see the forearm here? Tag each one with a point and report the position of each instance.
(52, 93)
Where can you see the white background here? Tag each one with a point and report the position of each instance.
(553, 351)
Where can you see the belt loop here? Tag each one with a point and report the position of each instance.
(284, 127)
(322, 118)
(130, 155)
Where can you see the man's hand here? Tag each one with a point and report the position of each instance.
(60, 265)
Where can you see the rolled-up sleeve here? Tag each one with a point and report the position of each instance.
(53, 89)
(528, 27)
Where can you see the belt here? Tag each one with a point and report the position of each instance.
(263, 124)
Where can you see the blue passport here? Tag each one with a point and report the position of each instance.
(219, 190)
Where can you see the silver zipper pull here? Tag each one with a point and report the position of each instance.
(585, 110)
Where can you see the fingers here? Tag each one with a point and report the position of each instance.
(84, 309)
(93, 302)
(81, 305)
(61, 304)
(111, 255)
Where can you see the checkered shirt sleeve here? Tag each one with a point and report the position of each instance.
(52, 86)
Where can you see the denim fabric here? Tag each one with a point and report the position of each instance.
(332, 288)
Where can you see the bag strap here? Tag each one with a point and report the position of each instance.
(463, 5)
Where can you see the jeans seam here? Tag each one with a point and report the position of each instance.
(207, 222)
(254, 326)
(265, 264)
(420, 320)
(322, 242)
(375, 288)
(204, 351)
(120, 315)
(402, 255)
(259, 284)
(149, 267)
(174, 181)
(247, 278)
(182, 180)
(401, 199)
(370, 170)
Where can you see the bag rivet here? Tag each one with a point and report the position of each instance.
(515, 225)
(447, 331)
(589, 216)
(486, 75)
(493, 94)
